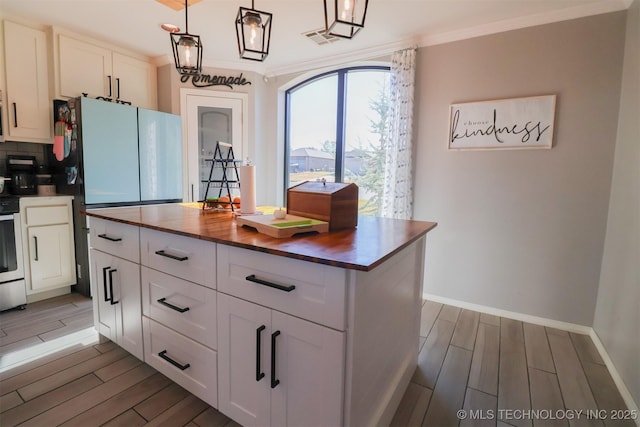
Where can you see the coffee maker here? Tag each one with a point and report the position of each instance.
(22, 171)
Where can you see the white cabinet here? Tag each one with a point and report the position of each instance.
(117, 290)
(179, 308)
(115, 283)
(98, 70)
(276, 369)
(47, 230)
(27, 84)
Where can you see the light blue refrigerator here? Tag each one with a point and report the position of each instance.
(129, 154)
(113, 155)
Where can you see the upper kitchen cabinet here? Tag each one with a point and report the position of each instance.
(27, 84)
(99, 70)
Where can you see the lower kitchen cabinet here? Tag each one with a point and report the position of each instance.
(277, 369)
(117, 289)
(48, 251)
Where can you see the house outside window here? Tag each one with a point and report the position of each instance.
(335, 125)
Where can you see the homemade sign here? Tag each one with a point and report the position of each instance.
(206, 80)
(503, 123)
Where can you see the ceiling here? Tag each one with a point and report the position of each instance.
(390, 24)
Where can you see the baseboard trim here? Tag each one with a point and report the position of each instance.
(565, 326)
(617, 379)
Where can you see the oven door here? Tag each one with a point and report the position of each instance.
(11, 262)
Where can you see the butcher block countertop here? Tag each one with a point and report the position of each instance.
(371, 243)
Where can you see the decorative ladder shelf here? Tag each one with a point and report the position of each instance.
(226, 164)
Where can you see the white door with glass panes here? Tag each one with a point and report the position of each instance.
(211, 116)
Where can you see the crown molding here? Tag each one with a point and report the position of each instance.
(342, 58)
(590, 9)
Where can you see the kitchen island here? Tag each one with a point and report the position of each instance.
(315, 329)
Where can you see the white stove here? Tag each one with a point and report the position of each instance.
(12, 285)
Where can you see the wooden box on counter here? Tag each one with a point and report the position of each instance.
(334, 202)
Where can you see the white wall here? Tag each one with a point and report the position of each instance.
(521, 231)
(617, 317)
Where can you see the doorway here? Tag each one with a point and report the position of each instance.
(209, 117)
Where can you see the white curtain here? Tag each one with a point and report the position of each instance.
(397, 199)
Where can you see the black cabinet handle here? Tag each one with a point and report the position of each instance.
(177, 258)
(117, 87)
(104, 284)
(254, 279)
(109, 77)
(35, 241)
(259, 373)
(111, 285)
(163, 354)
(274, 381)
(164, 302)
(112, 239)
(15, 115)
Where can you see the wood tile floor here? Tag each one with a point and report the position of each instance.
(467, 361)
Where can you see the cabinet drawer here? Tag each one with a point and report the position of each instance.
(44, 215)
(116, 238)
(200, 377)
(184, 257)
(319, 294)
(183, 306)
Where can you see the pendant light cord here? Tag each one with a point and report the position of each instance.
(186, 16)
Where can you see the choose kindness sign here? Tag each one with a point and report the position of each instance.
(505, 123)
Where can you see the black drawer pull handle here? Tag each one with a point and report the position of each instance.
(163, 354)
(259, 373)
(274, 381)
(109, 86)
(111, 285)
(112, 239)
(254, 279)
(104, 283)
(35, 240)
(164, 302)
(177, 258)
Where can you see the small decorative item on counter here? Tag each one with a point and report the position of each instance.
(280, 213)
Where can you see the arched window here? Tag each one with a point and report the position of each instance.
(335, 123)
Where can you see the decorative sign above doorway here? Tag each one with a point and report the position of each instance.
(505, 123)
(206, 80)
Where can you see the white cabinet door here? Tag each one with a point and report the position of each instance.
(244, 334)
(309, 361)
(27, 79)
(297, 377)
(49, 248)
(134, 81)
(119, 301)
(84, 68)
(100, 266)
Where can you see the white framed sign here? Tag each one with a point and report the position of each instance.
(502, 123)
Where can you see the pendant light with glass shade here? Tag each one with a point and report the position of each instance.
(253, 30)
(187, 48)
(344, 18)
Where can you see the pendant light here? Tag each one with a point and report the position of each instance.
(344, 18)
(253, 30)
(187, 48)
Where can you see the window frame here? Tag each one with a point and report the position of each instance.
(341, 112)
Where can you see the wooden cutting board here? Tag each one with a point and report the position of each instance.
(281, 228)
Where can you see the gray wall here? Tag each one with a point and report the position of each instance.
(521, 230)
(618, 308)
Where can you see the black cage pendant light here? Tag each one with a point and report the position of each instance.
(344, 18)
(253, 29)
(187, 48)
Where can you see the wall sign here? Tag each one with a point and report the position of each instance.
(503, 123)
(206, 80)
